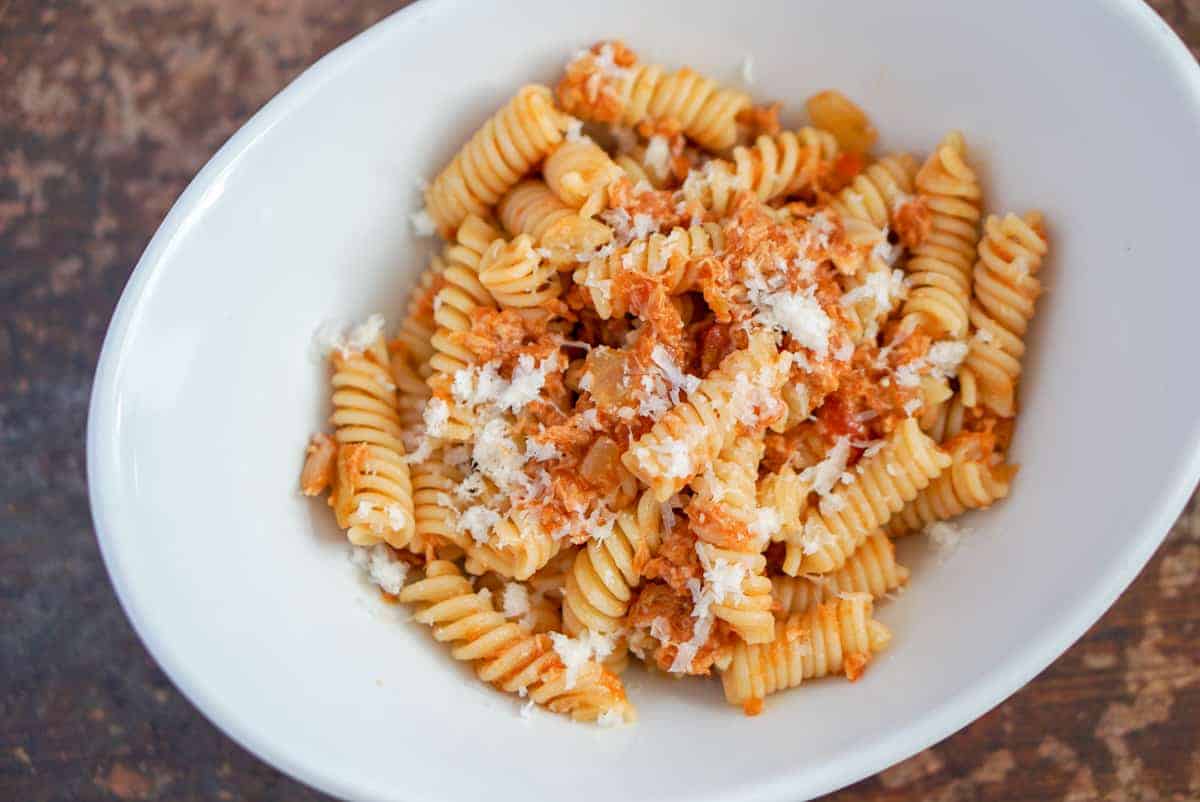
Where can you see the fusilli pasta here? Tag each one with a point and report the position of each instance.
(506, 148)
(885, 483)
(872, 569)
(505, 656)
(1005, 289)
(835, 637)
(939, 269)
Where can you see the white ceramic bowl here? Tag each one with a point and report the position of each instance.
(206, 391)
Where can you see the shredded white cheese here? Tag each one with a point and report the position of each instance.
(609, 719)
(383, 569)
(478, 521)
(945, 356)
(435, 416)
(658, 154)
(823, 476)
(331, 336)
(947, 537)
(576, 652)
(422, 223)
(575, 130)
(515, 601)
(747, 70)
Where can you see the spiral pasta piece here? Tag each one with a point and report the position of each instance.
(673, 259)
(607, 84)
(1005, 290)
(417, 327)
(944, 418)
(692, 433)
(875, 193)
(633, 169)
(372, 496)
(461, 294)
(723, 515)
(579, 172)
(788, 163)
(706, 111)
(599, 586)
(507, 148)
(871, 569)
(504, 655)
(888, 480)
(436, 520)
(411, 392)
(939, 269)
(974, 481)
(561, 231)
(516, 547)
(516, 276)
(836, 637)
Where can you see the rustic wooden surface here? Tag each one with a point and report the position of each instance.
(107, 109)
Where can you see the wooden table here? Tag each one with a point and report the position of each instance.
(107, 109)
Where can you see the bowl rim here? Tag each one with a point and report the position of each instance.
(889, 748)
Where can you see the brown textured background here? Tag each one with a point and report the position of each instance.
(107, 109)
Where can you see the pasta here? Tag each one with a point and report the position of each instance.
(600, 584)
(692, 433)
(872, 569)
(606, 83)
(672, 259)
(972, 482)
(516, 276)
(723, 514)
(789, 163)
(506, 148)
(885, 483)
(372, 496)
(1004, 292)
(456, 302)
(673, 383)
(561, 231)
(835, 637)
(505, 656)
(579, 172)
(940, 267)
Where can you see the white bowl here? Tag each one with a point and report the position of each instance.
(206, 391)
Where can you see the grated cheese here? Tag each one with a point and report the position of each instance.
(658, 154)
(575, 130)
(435, 416)
(766, 523)
(947, 537)
(686, 652)
(609, 719)
(331, 336)
(883, 288)
(823, 476)
(674, 375)
(945, 356)
(797, 313)
(383, 569)
(422, 452)
(577, 652)
(478, 521)
(541, 452)
(422, 223)
(747, 70)
(815, 535)
(515, 601)
(396, 516)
